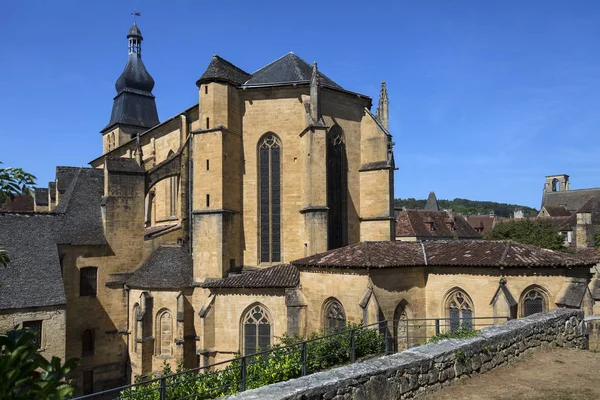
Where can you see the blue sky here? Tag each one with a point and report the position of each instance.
(486, 97)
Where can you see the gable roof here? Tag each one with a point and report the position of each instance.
(414, 223)
(19, 203)
(33, 277)
(557, 211)
(432, 204)
(221, 70)
(168, 267)
(572, 200)
(279, 276)
(288, 69)
(462, 253)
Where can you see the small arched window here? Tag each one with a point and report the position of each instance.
(87, 343)
(256, 326)
(459, 310)
(165, 327)
(533, 301)
(334, 316)
(269, 172)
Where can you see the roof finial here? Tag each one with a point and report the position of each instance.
(315, 102)
(383, 107)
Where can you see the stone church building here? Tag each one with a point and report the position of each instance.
(264, 208)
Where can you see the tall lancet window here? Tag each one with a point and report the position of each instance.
(269, 165)
(337, 193)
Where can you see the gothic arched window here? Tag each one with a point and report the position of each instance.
(533, 301)
(337, 235)
(256, 330)
(165, 333)
(459, 310)
(334, 316)
(173, 187)
(269, 171)
(135, 323)
(87, 343)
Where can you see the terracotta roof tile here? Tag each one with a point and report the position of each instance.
(414, 223)
(470, 253)
(279, 276)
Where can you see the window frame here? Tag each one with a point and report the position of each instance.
(31, 325)
(543, 295)
(271, 184)
(249, 314)
(463, 305)
(84, 351)
(160, 333)
(86, 287)
(326, 318)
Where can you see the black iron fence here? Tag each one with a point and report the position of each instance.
(283, 362)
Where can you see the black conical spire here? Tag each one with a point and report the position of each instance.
(134, 106)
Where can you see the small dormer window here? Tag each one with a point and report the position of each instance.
(431, 226)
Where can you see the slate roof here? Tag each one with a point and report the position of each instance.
(221, 70)
(279, 276)
(557, 211)
(432, 204)
(572, 200)
(465, 253)
(122, 164)
(64, 176)
(572, 293)
(33, 277)
(288, 69)
(41, 196)
(168, 267)
(415, 223)
(19, 203)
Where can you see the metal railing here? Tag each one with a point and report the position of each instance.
(281, 363)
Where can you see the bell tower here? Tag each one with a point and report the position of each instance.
(134, 107)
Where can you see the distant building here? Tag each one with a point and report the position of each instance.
(414, 225)
(557, 192)
(482, 223)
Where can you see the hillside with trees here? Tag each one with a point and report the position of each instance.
(468, 207)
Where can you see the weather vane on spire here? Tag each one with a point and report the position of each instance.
(136, 14)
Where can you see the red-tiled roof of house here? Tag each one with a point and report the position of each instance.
(416, 223)
(482, 223)
(468, 253)
(279, 276)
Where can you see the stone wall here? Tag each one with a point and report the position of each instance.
(592, 324)
(427, 368)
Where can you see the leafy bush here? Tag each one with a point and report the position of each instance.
(28, 375)
(282, 362)
(460, 333)
(535, 232)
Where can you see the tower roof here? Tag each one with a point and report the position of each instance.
(432, 204)
(288, 69)
(135, 31)
(221, 70)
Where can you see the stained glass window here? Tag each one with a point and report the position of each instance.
(533, 303)
(269, 153)
(256, 330)
(335, 317)
(460, 310)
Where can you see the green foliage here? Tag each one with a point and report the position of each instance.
(283, 362)
(28, 375)
(461, 357)
(597, 240)
(538, 233)
(469, 207)
(13, 181)
(460, 333)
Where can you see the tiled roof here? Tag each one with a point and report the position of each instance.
(483, 222)
(33, 277)
(279, 276)
(557, 211)
(168, 267)
(467, 253)
(221, 70)
(41, 196)
(19, 203)
(287, 69)
(414, 223)
(572, 200)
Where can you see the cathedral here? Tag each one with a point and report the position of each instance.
(264, 208)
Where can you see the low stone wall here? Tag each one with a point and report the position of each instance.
(427, 368)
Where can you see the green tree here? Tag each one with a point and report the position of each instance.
(13, 181)
(28, 375)
(538, 233)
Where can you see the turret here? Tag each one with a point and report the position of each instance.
(134, 107)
